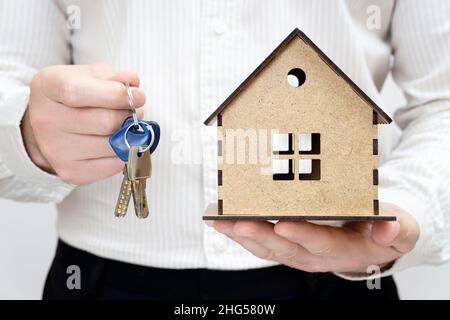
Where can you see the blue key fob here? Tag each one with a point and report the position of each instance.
(127, 135)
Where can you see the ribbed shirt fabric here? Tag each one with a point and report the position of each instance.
(190, 56)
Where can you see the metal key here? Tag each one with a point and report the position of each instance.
(133, 143)
(139, 169)
(124, 196)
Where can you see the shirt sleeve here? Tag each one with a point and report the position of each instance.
(416, 175)
(34, 35)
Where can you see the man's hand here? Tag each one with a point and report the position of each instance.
(71, 114)
(319, 248)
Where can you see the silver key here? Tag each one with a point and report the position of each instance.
(124, 196)
(139, 170)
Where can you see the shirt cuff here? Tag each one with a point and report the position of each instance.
(424, 248)
(42, 186)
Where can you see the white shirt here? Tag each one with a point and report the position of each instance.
(190, 56)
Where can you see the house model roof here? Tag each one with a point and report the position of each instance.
(382, 117)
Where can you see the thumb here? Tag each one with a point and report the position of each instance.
(402, 234)
(133, 79)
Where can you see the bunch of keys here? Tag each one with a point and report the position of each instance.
(133, 143)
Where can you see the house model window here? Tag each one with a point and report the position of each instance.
(308, 168)
(282, 143)
(309, 143)
(283, 169)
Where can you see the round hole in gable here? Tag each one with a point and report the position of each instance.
(296, 77)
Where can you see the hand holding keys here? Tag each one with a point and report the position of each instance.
(75, 109)
(133, 143)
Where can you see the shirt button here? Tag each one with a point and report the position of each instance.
(220, 243)
(220, 27)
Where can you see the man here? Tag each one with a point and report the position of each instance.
(59, 106)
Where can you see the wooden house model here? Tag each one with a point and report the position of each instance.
(308, 142)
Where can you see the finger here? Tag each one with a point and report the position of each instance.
(362, 227)
(126, 76)
(224, 226)
(77, 90)
(257, 249)
(103, 168)
(133, 79)
(385, 232)
(401, 234)
(280, 248)
(79, 147)
(342, 249)
(254, 248)
(90, 121)
(319, 240)
(91, 147)
(97, 70)
(139, 112)
(103, 71)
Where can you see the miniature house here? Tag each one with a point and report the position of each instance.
(315, 136)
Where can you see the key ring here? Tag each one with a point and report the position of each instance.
(149, 127)
(132, 107)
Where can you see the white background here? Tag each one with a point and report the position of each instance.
(28, 240)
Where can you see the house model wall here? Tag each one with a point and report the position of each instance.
(306, 149)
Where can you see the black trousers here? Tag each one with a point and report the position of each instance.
(98, 278)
